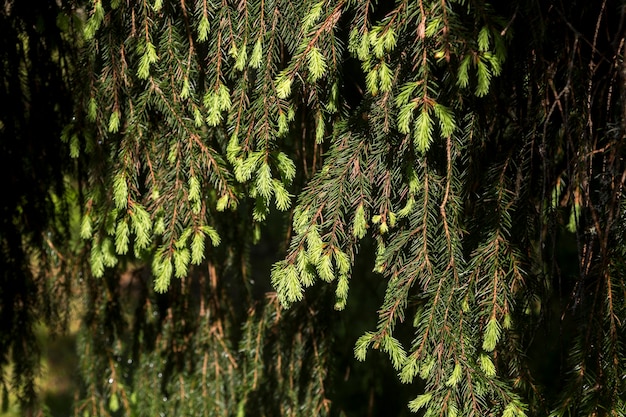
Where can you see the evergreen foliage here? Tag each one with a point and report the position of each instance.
(38, 209)
(229, 169)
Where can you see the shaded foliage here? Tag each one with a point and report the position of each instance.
(36, 104)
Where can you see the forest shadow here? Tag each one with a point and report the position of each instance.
(60, 375)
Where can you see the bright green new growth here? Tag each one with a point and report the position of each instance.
(203, 29)
(148, 57)
(420, 402)
(257, 55)
(492, 335)
(317, 64)
(455, 377)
